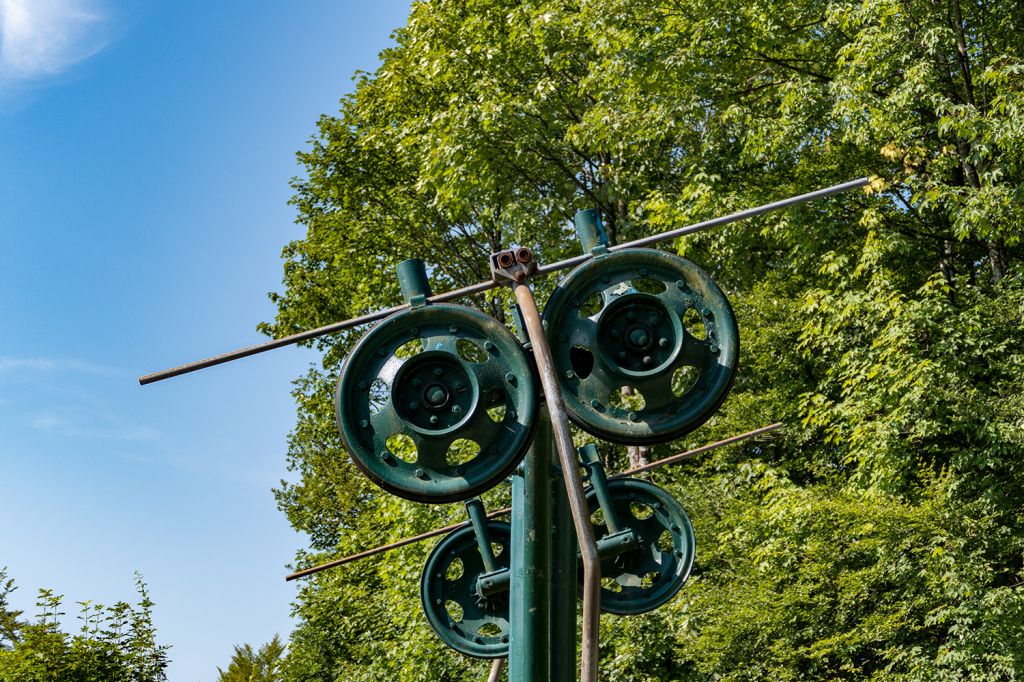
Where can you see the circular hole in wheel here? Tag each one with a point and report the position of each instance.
(489, 630)
(640, 511)
(611, 584)
(402, 447)
(647, 285)
(470, 352)
(592, 305)
(462, 450)
(627, 398)
(454, 610)
(379, 392)
(694, 324)
(454, 571)
(582, 361)
(684, 379)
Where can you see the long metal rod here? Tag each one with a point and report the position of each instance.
(590, 558)
(674, 459)
(387, 548)
(486, 286)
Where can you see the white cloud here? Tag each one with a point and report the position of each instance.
(40, 38)
(114, 430)
(8, 363)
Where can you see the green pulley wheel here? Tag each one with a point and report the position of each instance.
(464, 620)
(437, 403)
(646, 577)
(650, 321)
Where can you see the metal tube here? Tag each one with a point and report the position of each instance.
(441, 531)
(698, 451)
(496, 667)
(591, 560)
(387, 548)
(486, 286)
(599, 482)
(530, 645)
(475, 508)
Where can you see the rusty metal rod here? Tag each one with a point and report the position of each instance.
(589, 555)
(496, 667)
(387, 548)
(674, 459)
(699, 451)
(486, 286)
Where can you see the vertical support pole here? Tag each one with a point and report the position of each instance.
(565, 577)
(530, 642)
(542, 596)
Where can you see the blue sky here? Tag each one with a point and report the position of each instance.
(145, 153)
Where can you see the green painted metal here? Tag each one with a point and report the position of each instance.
(651, 321)
(435, 374)
(471, 624)
(599, 483)
(543, 574)
(412, 278)
(591, 232)
(647, 576)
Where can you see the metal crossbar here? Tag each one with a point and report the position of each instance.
(486, 286)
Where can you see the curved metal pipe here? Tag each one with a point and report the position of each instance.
(589, 555)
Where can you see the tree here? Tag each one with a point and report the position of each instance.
(114, 644)
(879, 536)
(249, 665)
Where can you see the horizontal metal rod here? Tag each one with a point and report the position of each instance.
(486, 286)
(387, 548)
(674, 459)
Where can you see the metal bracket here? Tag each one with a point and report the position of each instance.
(512, 265)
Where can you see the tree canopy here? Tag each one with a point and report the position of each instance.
(114, 643)
(880, 536)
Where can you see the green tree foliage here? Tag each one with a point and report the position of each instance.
(114, 643)
(880, 536)
(251, 665)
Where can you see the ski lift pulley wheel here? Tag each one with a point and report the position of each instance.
(437, 403)
(467, 622)
(650, 321)
(646, 577)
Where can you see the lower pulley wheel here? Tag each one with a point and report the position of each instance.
(437, 403)
(645, 577)
(450, 590)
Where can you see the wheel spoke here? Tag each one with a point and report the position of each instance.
(657, 390)
(386, 422)
(488, 377)
(583, 333)
(389, 369)
(432, 452)
(696, 352)
(445, 343)
(484, 430)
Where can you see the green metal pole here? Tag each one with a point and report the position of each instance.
(542, 595)
(564, 580)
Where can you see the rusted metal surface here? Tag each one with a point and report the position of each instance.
(674, 459)
(496, 668)
(486, 286)
(387, 548)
